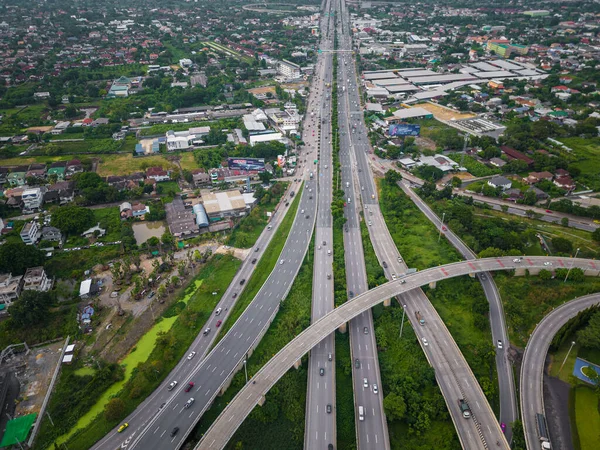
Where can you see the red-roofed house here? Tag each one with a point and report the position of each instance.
(157, 174)
(565, 183)
(515, 154)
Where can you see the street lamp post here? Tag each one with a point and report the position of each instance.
(572, 262)
(402, 323)
(246, 370)
(565, 360)
(441, 226)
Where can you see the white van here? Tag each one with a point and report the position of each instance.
(348, 199)
(361, 413)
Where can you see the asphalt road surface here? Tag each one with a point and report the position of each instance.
(320, 426)
(488, 431)
(506, 385)
(366, 378)
(534, 358)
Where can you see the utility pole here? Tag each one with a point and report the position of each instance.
(565, 360)
(572, 262)
(441, 226)
(402, 323)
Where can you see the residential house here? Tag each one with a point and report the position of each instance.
(135, 210)
(539, 194)
(511, 153)
(565, 182)
(498, 162)
(88, 289)
(96, 230)
(10, 288)
(51, 234)
(58, 172)
(37, 173)
(60, 127)
(201, 177)
(33, 198)
(74, 166)
(16, 178)
(157, 174)
(3, 175)
(30, 233)
(500, 182)
(65, 191)
(536, 177)
(35, 279)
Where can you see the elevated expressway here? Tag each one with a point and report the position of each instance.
(532, 368)
(488, 436)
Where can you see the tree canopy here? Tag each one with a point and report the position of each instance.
(73, 219)
(16, 258)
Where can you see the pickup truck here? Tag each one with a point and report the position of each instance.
(420, 318)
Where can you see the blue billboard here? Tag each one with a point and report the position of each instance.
(246, 164)
(404, 130)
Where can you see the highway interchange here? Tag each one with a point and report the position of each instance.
(155, 419)
(237, 410)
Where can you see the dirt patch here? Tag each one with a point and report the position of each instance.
(556, 401)
(442, 113)
(424, 142)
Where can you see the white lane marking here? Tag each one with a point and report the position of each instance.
(163, 433)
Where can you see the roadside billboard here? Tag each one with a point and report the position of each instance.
(404, 129)
(246, 164)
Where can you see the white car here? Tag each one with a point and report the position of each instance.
(425, 343)
(191, 355)
(547, 263)
(393, 276)
(281, 262)
(499, 344)
(516, 260)
(375, 389)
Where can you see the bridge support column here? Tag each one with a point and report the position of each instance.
(520, 272)
(298, 364)
(343, 328)
(432, 285)
(387, 302)
(225, 386)
(262, 400)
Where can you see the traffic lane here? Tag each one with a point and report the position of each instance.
(534, 357)
(242, 344)
(202, 343)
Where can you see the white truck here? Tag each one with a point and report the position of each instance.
(361, 413)
(543, 432)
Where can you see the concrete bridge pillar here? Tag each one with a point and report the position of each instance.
(591, 273)
(298, 364)
(225, 386)
(262, 400)
(520, 272)
(432, 285)
(387, 302)
(343, 328)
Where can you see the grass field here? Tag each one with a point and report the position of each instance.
(263, 268)
(586, 157)
(587, 417)
(187, 161)
(123, 164)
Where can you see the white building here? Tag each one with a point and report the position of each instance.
(10, 288)
(35, 279)
(185, 63)
(32, 199)
(182, 140)
(256, 138)
(288, 69)
(500, 182)
(30, 233)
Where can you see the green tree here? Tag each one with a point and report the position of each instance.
(596, 235)
(114, 409)
(31, 309)
(16, 257)
(545, 275)
(589, 336)
(394, 406)
(562, 245)
(73, 219)
(564, 221)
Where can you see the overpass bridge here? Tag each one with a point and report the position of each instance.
(254, 393)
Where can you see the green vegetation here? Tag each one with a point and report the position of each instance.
(587, 154)
(415, 409)
(474, 167)
(415, 237)
(344, 390)
(170, 347)
(586, 417)
(279, 423)
(375, 274)
(250, 227)
(263, 268)
(528, 299)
